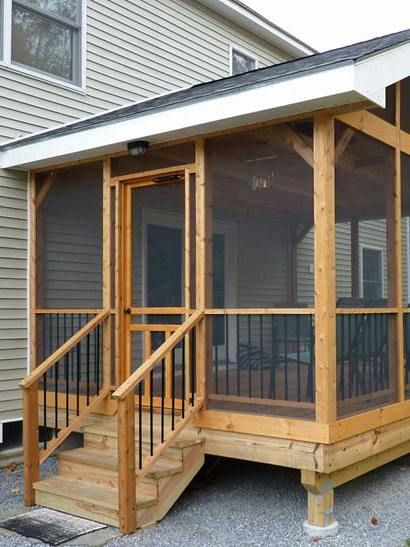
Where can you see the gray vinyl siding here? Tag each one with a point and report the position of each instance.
(13, 291)
(135, 49)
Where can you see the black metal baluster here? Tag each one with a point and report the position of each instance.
(363, 346)
(216, 357)
(71, 353)
(297, 318)
(162, 399)
(183, 377)
(56, 399)
(97, 358)
(312, 359)
(151, 412)
(193, 360)
(238, 358)
(66, 374)
(50, 341)
(249, 356)
(349, 325)
(45, 410)
(376, 353)
(385, 318)
(261, 355)
(341, 319)
(370, 354)
(285, 333)
(272, 380)
(88, 368)
(173, 389)
(227, 354)
(356, 352)
(140, 425)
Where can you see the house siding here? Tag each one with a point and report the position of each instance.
(135, 49)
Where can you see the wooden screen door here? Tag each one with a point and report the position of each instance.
(158, 263)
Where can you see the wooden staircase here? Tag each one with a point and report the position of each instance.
(86, 483)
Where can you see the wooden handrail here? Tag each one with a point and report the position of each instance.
(138, 376)
(62, 350)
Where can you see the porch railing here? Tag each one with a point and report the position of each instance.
(263, 361)
(70, 372)
(151, 427)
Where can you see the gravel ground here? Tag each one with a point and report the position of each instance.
(251, 504)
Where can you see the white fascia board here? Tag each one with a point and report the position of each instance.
(378, 71)
(259, 26)
(304, 93)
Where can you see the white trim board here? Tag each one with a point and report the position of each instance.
(334, 85)
(259, 26)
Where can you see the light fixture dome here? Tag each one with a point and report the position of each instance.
(138, 148)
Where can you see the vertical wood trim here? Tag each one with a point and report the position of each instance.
(30, 443)
(107, 277)
(202, 258)
(400, 370)
(118, 357)
(355, 260)
(32, 297)
(187, 275)
(325, 293)
(126, 465)
(126, 283)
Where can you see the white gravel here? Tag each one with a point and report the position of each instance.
(251, 504)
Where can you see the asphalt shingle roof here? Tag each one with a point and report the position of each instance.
(228, 85)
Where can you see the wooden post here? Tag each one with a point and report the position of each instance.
(203, 263)
(354, 251)
(30, 443)
(126, 465)
(397, 255)
(320, 498)
(32, 271)
(325, 294)
(107, 273)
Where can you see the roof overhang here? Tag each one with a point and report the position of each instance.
(247, 18)
(331, 86)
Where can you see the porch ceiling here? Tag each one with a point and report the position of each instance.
(353, 74)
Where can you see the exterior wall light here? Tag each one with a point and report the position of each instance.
(138, 148)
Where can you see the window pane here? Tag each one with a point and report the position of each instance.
(64, 8)
(241, 62)
(41, 43)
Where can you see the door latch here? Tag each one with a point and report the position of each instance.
(128, 311)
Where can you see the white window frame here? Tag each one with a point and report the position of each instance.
(381, 250)
(239, 49)
(5, 49)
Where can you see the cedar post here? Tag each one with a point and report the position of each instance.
(107, 274)
(30, 443)
(203, 264)
(126, 465)
(325, 297)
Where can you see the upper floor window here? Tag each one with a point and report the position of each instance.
(45, 37)
(241, 61)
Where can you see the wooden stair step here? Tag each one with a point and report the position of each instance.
(88, 492)
(108, 459)
(184, 439)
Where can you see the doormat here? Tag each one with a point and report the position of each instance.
(50, 526)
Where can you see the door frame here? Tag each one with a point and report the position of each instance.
(125, 310)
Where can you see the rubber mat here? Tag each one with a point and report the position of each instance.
(50, 526)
